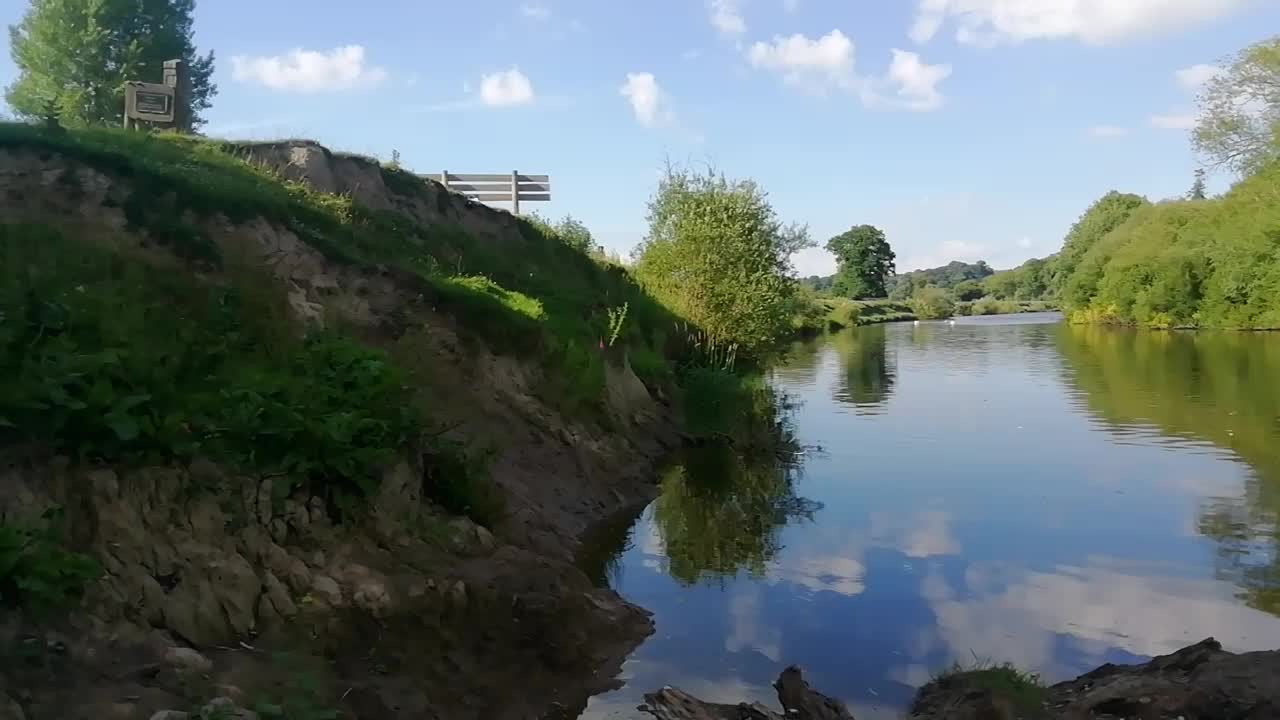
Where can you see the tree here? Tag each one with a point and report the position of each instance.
(865, 262)
(969, 290)
(1198, 189)
(74, 56)
(717, 254)
(1105, 215)
(1239, 126)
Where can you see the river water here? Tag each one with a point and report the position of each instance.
(1005, 489)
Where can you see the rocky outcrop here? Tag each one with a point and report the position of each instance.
(798, 700)
(1199, 682)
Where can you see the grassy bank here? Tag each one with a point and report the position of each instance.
(819, 314)
(991, 306)
(537, 296)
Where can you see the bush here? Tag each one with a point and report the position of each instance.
(37, 573)
(717, 255)
(932, 303)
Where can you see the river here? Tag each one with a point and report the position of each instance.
(1002, 489)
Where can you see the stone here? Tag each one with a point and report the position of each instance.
(327, 589)
(458, 595)
(171, 715)
(264, 503)
(187, 659)
(279, 596)
(10, 709)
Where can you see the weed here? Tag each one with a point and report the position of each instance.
(1025, 690)
(303, 696)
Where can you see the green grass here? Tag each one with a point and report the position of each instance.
(37, 573)
(530, 294)
(992, 306)
(881, 311)
(1024, 690)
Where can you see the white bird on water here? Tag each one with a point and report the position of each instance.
(916, 322)
(952, 322)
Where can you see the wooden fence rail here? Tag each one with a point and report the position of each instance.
(498, 187)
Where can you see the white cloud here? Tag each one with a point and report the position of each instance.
(726, 16)
(828, 63)
(506, 88)
(535, 11)
(816, 64)
(648, 101)
(915, 82)
(988, 22)
(1175, 121)
(1108, 131)
(308, 71)
(790, 5)
(1193, 78)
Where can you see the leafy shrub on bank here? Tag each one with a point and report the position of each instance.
(37, 573)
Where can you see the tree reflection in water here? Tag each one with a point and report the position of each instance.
(869, 370)
(1223, 388)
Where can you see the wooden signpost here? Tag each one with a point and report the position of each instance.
(164, 103)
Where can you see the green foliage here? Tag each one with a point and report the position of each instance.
(1199, 189)
(931, 303)
(1105, 215)
(1206, 263)
(865, 262)
(902, 287)
(37, 573)
(969, 290)
(617, 316)
(871, 312)
(717, 255)
(1031, 280)
(1239, 125)
(534, 295)
(73, 57)
(303, 695)
(108, 358)
(458, 480)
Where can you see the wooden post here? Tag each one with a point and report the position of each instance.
(515, 192)
(175, 76)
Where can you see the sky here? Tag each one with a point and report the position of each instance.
(965, 129)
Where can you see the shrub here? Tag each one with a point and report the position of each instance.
(37, 573)
(931, 303)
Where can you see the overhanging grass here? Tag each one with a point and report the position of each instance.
(1024, 690)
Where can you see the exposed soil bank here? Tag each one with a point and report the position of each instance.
(215, 587)
(1199, 682)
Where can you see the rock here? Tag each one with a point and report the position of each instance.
(279, 530)
(10, 709)
(458, 595)
(188, 660)
(237, 588)
(327, 589)
(171, 715)
(279, 596)
(800, 701)
(264, 503)
(224, 708)
(672, 704)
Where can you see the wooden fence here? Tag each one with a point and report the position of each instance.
(498, 187)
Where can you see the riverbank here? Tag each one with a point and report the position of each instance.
(1198, 681)
(308, 433)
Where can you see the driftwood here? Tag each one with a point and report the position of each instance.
(799, 702)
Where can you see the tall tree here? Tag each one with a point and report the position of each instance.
(74, 56)
(1198, 191)
(864, 260)
(1239, 126)
(717, 253)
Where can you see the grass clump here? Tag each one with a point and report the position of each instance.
(1024, 690)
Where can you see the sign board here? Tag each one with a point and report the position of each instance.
(150, 102)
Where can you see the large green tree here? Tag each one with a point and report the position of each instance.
(718, 255)
(74, 56)
(864, 260)
(1239, 126)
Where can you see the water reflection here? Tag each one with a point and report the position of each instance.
(720, 511)
(1006, 488)
(1223, 388)
(868, 368)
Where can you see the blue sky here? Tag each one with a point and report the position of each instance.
(966, 129)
